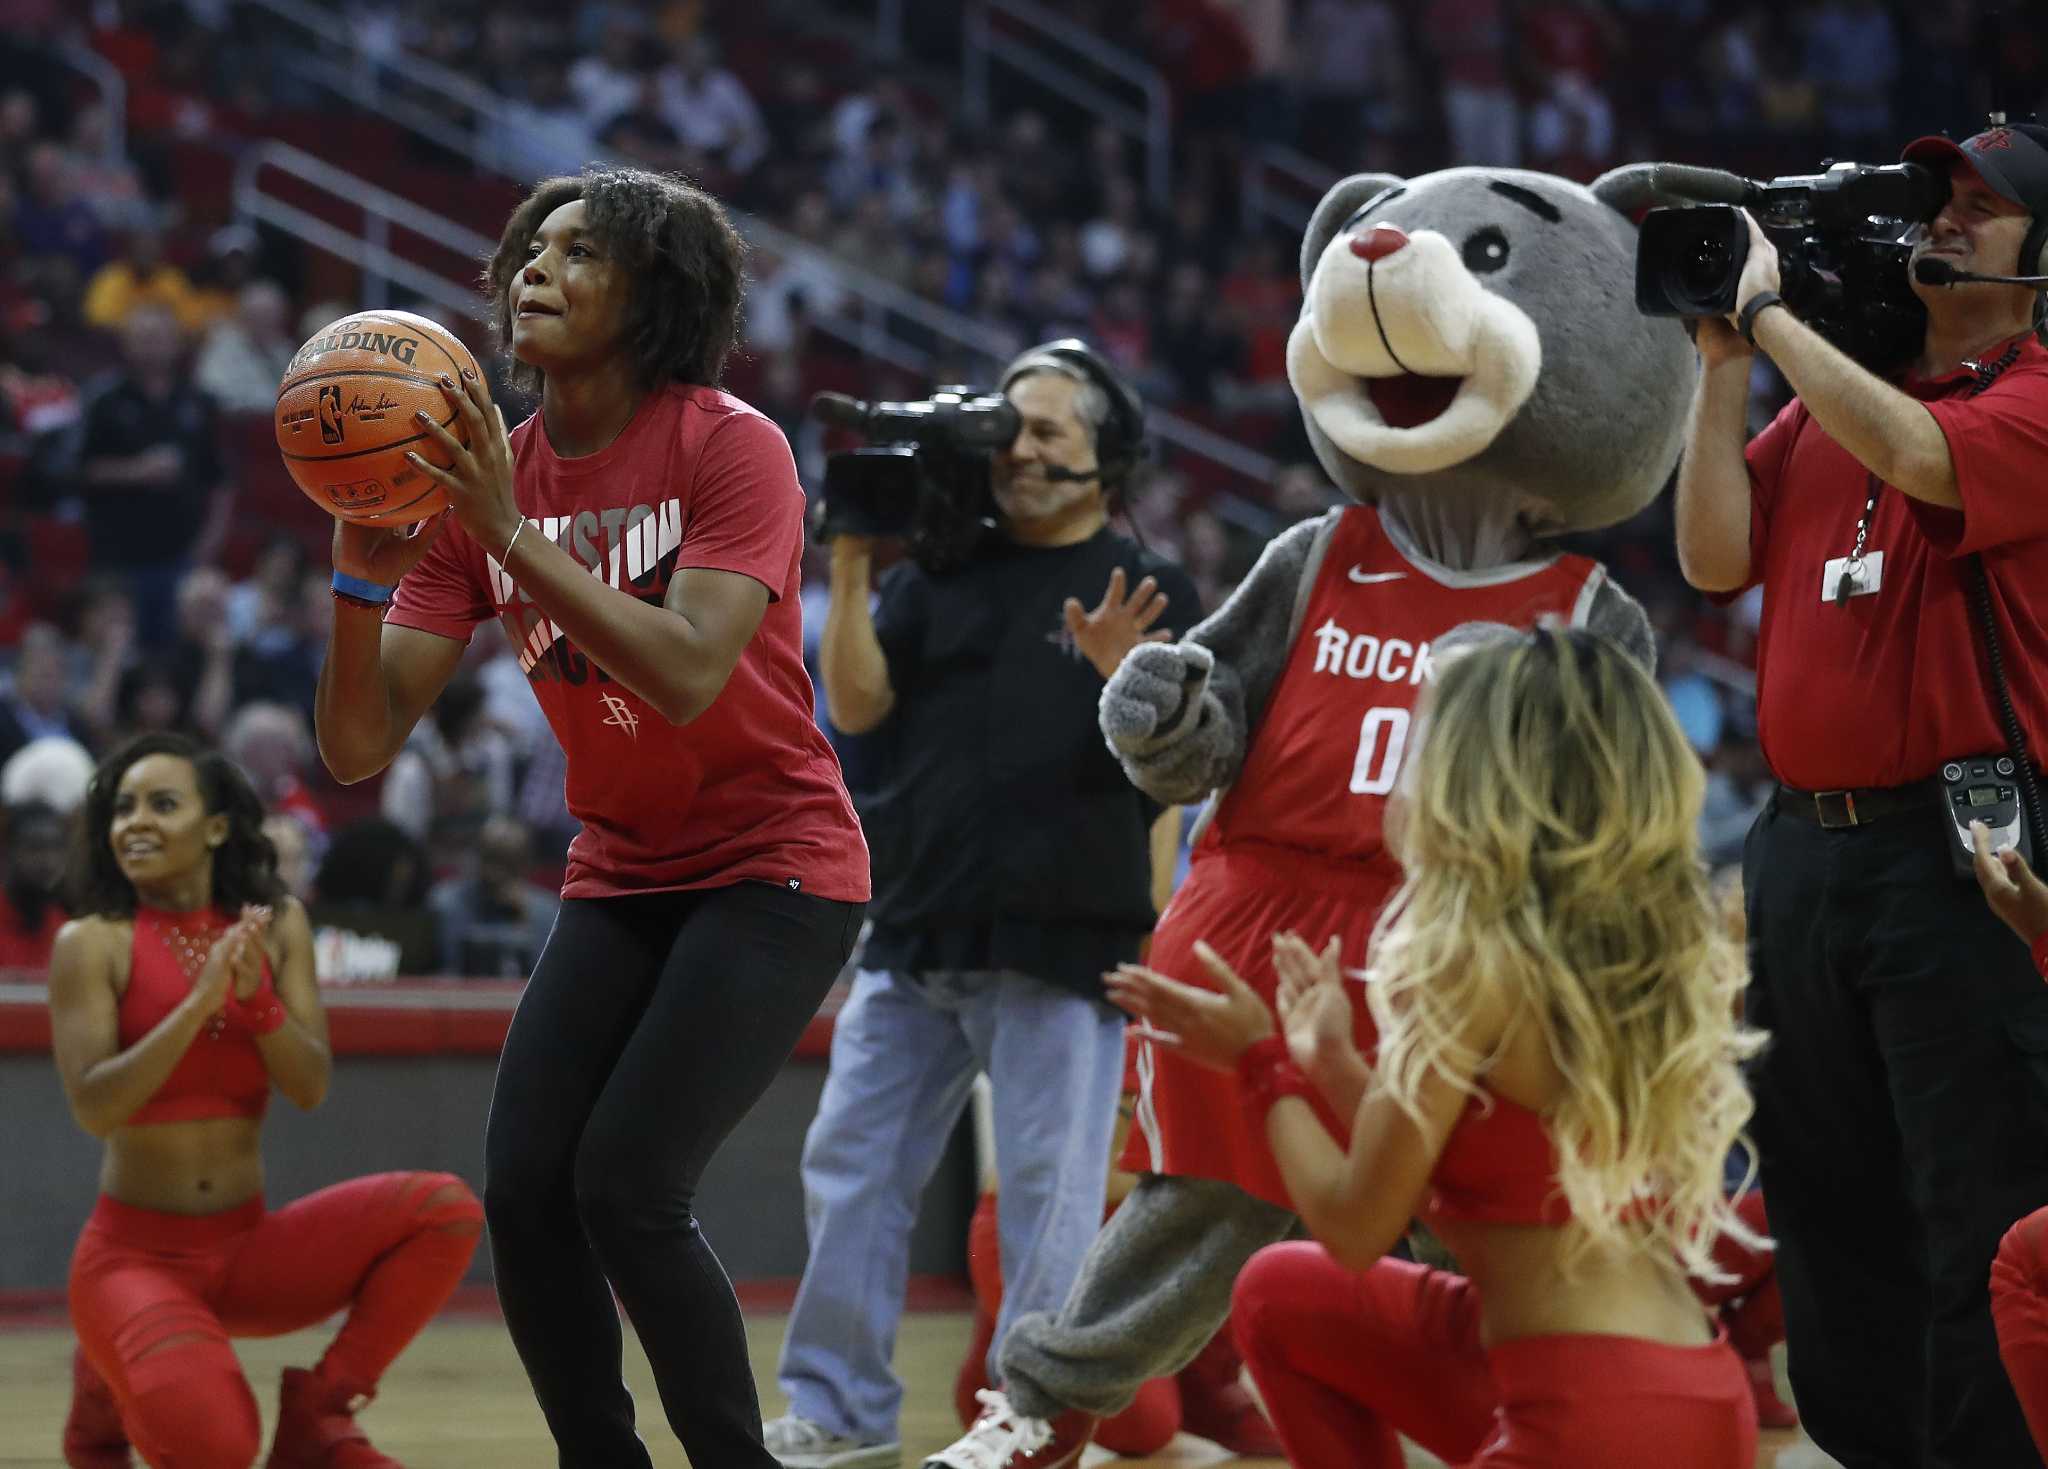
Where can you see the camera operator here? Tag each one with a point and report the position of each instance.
(1902, 1109)
(1012, 870)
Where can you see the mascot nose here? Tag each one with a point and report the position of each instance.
(1378, 242)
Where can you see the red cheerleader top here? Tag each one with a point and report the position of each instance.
(221, 1073)
(1498, 1166)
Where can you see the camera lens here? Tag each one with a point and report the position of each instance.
(1688, 260)
(1702, 269)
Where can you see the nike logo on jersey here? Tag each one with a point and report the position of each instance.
(1370, 578)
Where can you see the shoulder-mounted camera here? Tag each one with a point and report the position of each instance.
(1843, 239)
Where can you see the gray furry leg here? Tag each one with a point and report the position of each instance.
(1153, 1289)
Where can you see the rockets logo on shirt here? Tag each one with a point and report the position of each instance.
(632, 548)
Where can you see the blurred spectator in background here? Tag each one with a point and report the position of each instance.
(59, 234)
(454, 770)
(101, 173)
(201, 657)
(30, 913)
(232, 256)
(294, 846)
(492, 920)
(140, 276)
(149, 470)
(1471, 41)
(710, 109)
(372, 885)
(544, 132)
(37, 700)
(269, 594)
(244, 356)
(52, 771)
(274, 746)
(1852, 51)
(643, 135)
(1352, 67)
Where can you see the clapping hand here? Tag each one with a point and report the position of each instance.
(234, 961)
(1315, 1012)
(1211, 1027)
(1117, 623)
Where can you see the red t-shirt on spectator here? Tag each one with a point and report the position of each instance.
(24, 945)
(749, 789)
(1879, 692)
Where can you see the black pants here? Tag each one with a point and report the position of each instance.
(1902, 1127)
(651, 1025)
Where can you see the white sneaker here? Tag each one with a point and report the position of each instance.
(802, 1444)
(1002, 1438)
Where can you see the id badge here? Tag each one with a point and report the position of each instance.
(1864, 579)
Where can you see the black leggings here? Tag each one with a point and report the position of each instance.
(651, 1025)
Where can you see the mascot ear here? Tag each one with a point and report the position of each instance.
(1338, 205)
(1636, 188)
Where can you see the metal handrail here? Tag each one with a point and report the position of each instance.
(863, 323)
(369, 252)
(1150, 123)
(1256, 195)
(102, 73)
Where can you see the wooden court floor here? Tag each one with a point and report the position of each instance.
(457, 1398)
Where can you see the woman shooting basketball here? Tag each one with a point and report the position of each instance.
(639, 540)
(179, 998)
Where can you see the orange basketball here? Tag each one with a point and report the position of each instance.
(345, 415)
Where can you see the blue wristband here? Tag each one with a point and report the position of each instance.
(362, 591)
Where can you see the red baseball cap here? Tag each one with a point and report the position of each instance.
(2013, 160)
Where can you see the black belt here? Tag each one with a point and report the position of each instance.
(1834, 809)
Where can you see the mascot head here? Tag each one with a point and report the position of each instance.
(1469, 348)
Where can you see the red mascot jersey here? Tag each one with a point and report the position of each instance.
(1295, 843)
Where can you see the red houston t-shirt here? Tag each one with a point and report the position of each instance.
(749, 789)
(1880, 691)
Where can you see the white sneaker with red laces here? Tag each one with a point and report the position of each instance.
(1003, 1438)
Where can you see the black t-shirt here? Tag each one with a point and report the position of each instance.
(142, 525)
(1003, 832)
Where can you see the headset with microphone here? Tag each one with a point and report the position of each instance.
(1120, 438)
(2013, 159)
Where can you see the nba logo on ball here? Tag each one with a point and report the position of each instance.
(330, 413)
(367, 379)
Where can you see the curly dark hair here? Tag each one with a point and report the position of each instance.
(244, 866)
(675, 243)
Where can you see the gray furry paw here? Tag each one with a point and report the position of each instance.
(1151, 693)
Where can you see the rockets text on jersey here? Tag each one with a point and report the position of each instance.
(1329, 745)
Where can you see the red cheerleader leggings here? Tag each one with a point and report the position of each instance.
(1346, 1361)
(2019, 1309)
(155, 1298)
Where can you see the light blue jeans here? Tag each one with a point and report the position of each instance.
(905, 1050)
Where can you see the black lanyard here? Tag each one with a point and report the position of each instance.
(1852, 570)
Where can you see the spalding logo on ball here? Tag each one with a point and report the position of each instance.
(345, 415)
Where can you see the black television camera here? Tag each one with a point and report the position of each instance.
(1843, 243)
(925, 473)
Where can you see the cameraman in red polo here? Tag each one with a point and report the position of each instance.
(1902, 1110)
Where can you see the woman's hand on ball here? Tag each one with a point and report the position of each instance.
(479, 475)
(381, 554)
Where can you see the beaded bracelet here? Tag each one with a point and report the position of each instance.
(1265, 1074)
